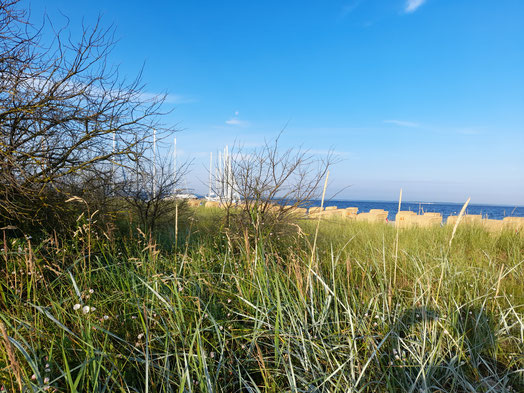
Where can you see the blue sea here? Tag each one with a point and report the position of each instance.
(446, 209)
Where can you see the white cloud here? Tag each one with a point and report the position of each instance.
(169, 98)
(237, 122)
(468, 131)
(402, 123)
(348, 8)
(413, 5)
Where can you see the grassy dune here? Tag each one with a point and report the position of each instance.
(359, 312)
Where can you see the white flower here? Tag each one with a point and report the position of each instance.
(106, 317)
(140, 336)
(76, 307)
(86, 309)
(91, 290)
(46, 380)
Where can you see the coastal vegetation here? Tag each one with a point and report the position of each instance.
(348, 308)
(110, 282)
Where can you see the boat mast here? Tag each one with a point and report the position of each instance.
(174, 167)
(210, 173)
(154, 163)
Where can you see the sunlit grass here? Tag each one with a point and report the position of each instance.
(214, 316)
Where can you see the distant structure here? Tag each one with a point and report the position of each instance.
(177, 192)
(225, 190)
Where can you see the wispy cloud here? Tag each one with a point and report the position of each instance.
(402, 123)
(348, 8)
(335, 153)
(169, 98)
(468, 131)
(413, 5)
(235, 121)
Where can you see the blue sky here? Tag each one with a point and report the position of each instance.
(427, 95)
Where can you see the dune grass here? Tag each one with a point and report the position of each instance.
(214, 316)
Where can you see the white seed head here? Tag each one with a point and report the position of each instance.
(76, 307)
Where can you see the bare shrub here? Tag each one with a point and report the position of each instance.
(272, 186)
(65, 114)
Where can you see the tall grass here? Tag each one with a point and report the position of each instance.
(213, 316)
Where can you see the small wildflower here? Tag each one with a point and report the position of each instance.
(93, 308)
(86, 309)
(140, 336)
(397, 357)
(133, 317)
(33, 377)
(76, 307)
(47, 365)
(375, 324)
(46, 380)
(229, 300)
(212, 354)
(106, 317)
(91, 290)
